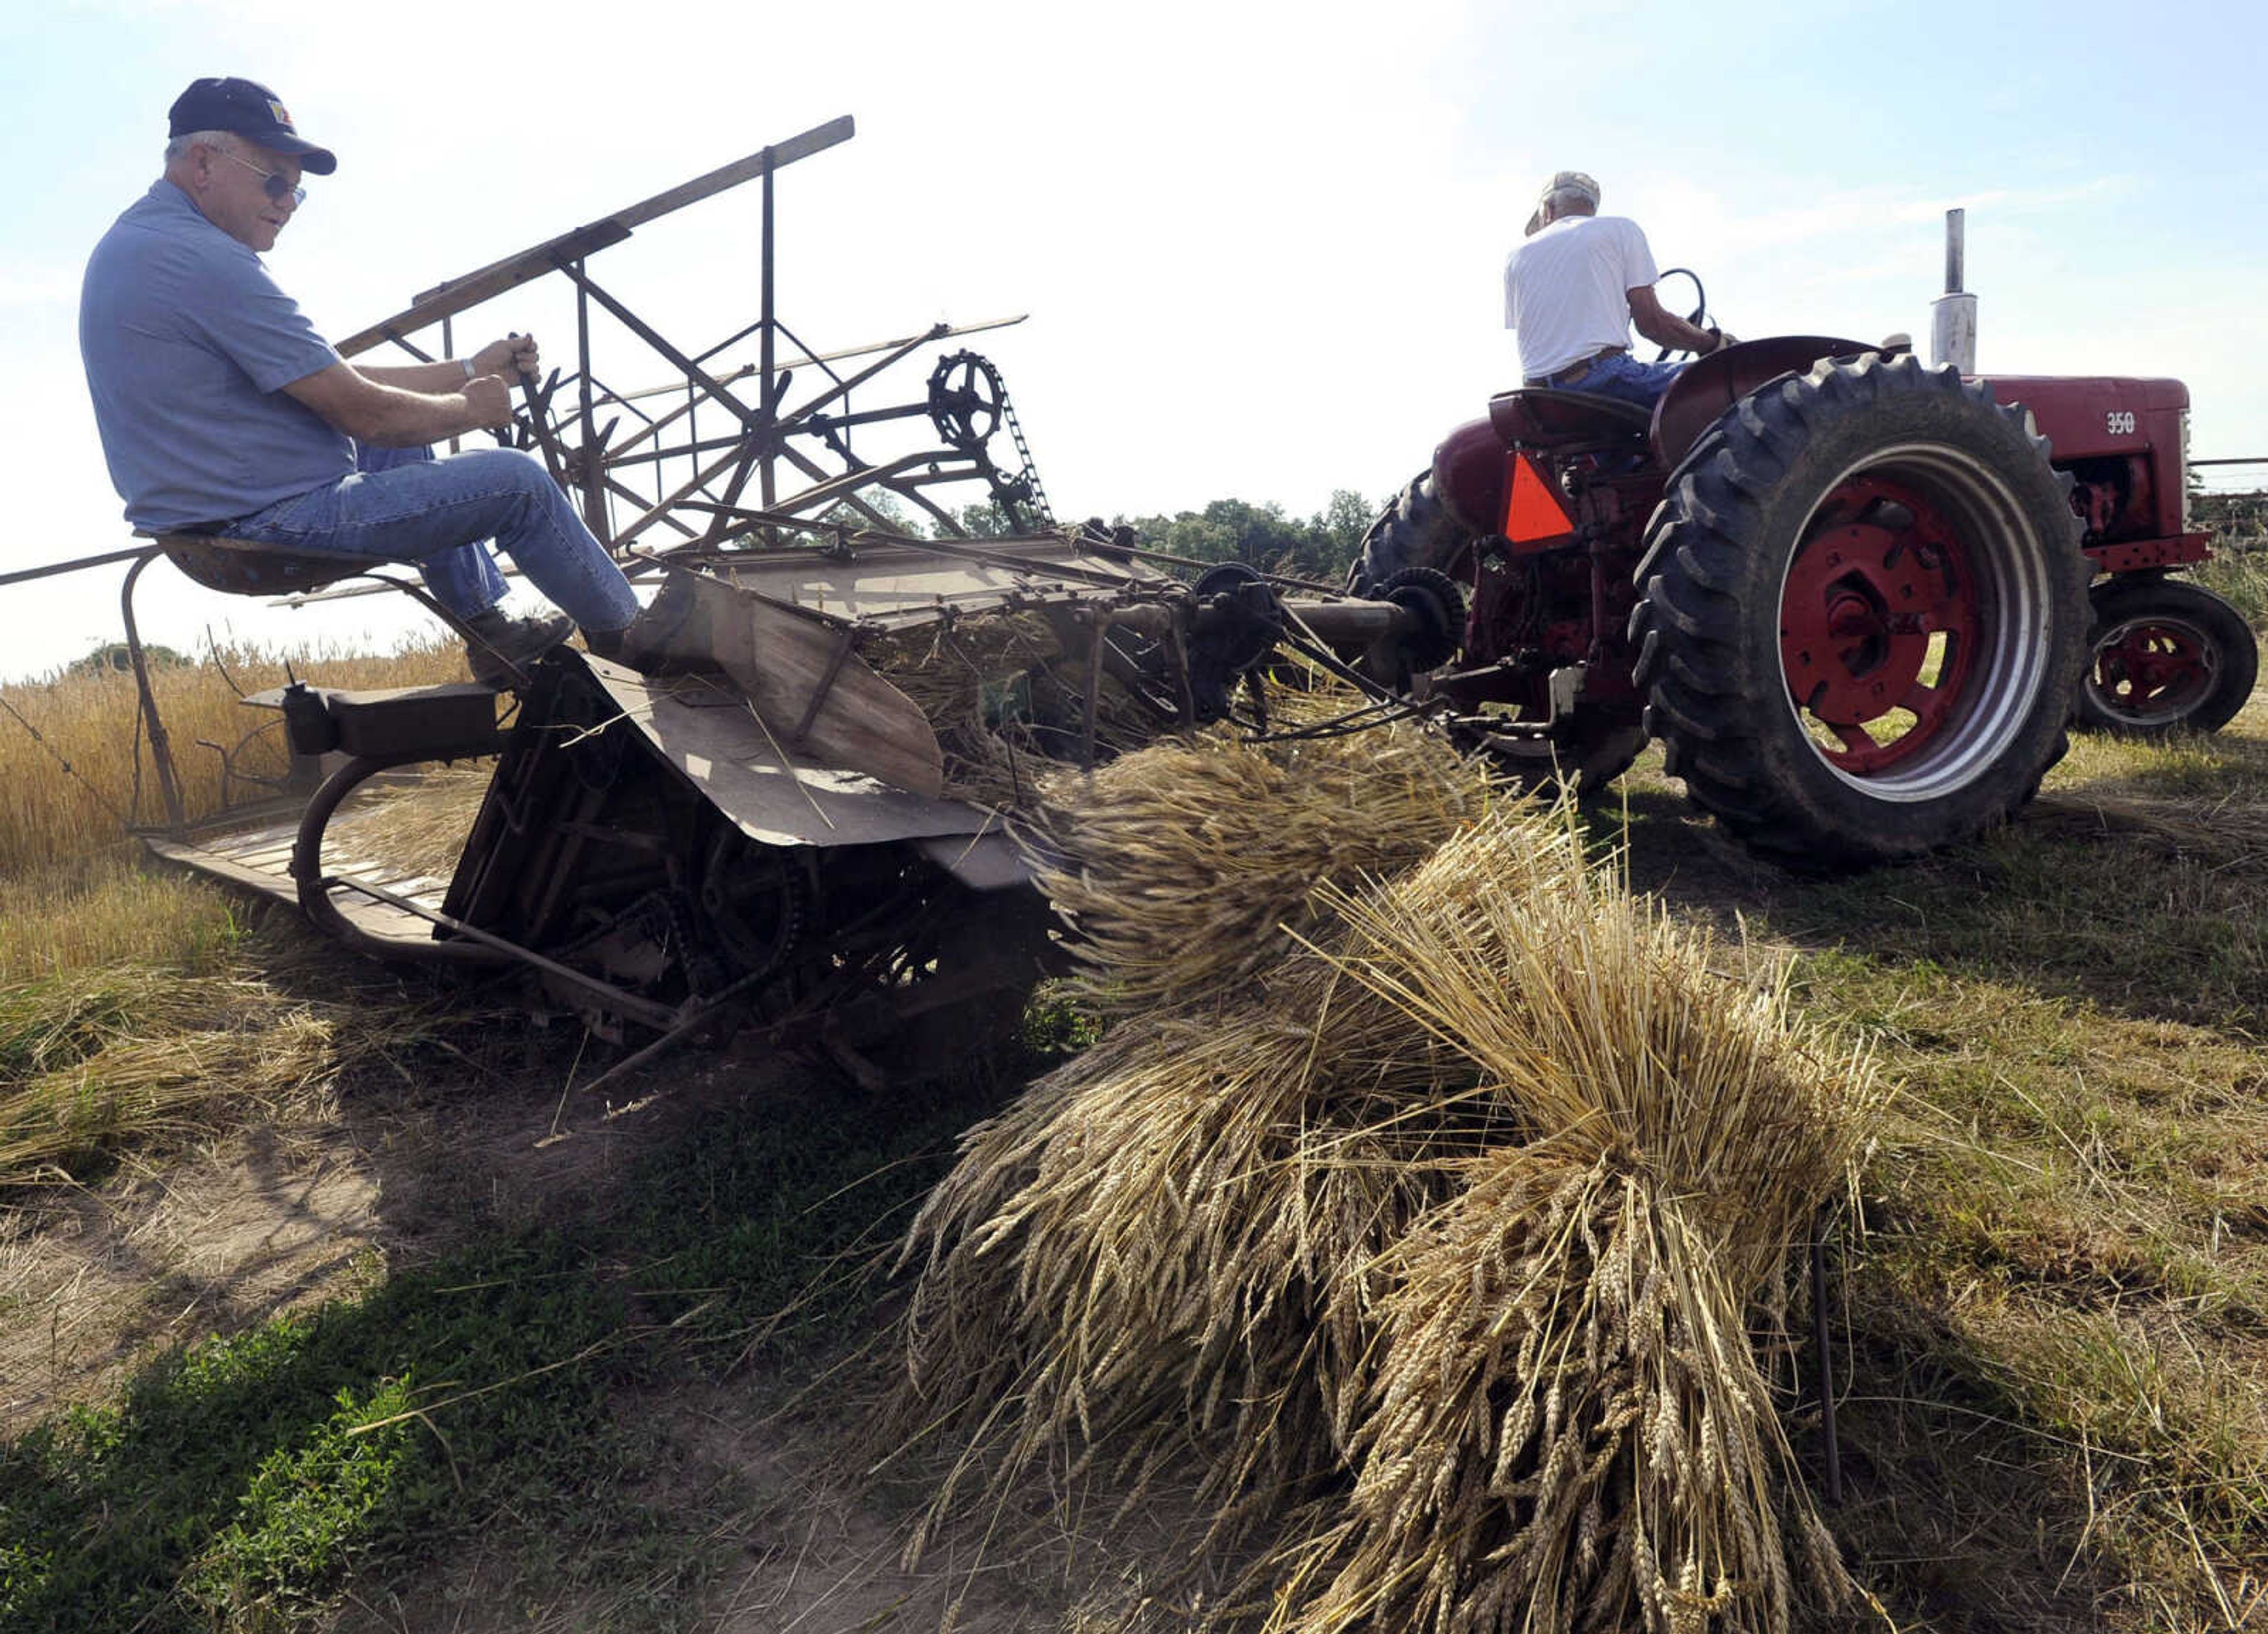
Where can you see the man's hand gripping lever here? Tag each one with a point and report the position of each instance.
(515, 357)
(524, 363)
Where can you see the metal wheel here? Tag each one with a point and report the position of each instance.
(1891, 617)
(966, 397)
(2167, 656)
(752, 896)
(1862, 613)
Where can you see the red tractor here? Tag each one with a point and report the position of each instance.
(1848, 591)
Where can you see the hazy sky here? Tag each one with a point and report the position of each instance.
(1260, 245)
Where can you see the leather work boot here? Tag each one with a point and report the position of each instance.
(503, 648)
(647, 642)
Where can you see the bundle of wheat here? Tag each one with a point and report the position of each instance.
(1202, 1175)
(1567, 1427)
(1464, 1206)
(1591, 1010)
(1150, 1248)
(1179, 868)
(1170, 1237)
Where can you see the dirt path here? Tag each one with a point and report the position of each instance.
(96, 1282)
(93, 1281)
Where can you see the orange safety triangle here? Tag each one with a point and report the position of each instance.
(1533, 510)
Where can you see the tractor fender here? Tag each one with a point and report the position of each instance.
(1699, 396)
(1468, 476)
(1468, 464)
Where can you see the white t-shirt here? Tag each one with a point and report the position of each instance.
(1566, 290)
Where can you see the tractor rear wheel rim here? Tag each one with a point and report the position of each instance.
(2153, 670)
(1913, 622)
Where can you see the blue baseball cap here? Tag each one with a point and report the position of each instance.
(252, 112)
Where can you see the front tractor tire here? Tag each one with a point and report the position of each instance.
(2167, 657)
(1862, 613)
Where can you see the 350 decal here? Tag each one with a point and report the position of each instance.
(2120, 421)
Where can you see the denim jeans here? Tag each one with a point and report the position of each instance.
(433, 512)
(465, 579)
(1623, 377)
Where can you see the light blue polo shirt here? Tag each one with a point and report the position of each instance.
(187, 341)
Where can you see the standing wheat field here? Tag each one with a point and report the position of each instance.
(75, 767)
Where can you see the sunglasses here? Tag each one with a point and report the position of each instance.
(277, 188)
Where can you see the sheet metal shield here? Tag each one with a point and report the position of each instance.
(710, 734)
(893, 585)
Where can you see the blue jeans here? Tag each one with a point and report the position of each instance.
(433, 512)
(1623, 377)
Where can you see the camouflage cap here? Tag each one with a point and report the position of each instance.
(1562, 182)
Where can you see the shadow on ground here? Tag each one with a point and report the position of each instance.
(493, 1388)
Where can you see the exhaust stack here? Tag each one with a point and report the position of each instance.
(1953, 315)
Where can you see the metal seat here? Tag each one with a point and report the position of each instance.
(243, 567)
(1541, 417)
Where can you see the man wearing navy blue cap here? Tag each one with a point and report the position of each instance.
(221, 411)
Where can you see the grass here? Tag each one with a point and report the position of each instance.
(143, 1011)
(2051, 1300)
(243, 1480)
(101, 911)
(135, 1009)
(2054, 1298)
(238, 1478)
(2239, 574)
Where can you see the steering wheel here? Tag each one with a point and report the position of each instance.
(1697, 317)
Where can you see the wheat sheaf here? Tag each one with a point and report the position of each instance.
(1416, 1218)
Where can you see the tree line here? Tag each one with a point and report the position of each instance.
(1321, 547)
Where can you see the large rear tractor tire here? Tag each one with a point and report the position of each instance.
(1416, 530)
(2167, 657)
(1862, 613)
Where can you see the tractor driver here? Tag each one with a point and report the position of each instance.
(221, 411)
(1572, 292)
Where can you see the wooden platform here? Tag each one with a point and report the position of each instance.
(258, 859)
